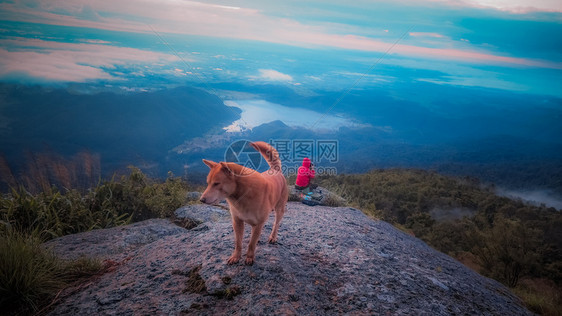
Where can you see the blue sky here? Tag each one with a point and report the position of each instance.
(311, 46)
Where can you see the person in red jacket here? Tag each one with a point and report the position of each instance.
(305, 173)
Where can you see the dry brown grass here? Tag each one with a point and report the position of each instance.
(541, 296)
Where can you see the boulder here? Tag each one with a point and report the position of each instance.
(328, 261)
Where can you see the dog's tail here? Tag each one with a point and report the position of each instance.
(269, 153)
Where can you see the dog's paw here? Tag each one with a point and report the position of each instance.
(233, 259)
(272, 240)
(249, 261)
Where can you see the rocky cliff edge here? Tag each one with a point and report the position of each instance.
(327, 261)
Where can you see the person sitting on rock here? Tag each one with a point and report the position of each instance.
(305, 173)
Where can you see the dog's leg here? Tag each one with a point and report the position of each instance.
(256, 232)
(238, 226)
(279, 212)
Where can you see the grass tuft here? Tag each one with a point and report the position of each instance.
(333, 200)
(541, 296)
(30, 275)
(195, 283)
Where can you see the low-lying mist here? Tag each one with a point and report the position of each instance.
(534, 197)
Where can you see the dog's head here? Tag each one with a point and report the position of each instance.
(220, 182)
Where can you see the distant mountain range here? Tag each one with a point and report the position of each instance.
(124, 128)
(171, 130)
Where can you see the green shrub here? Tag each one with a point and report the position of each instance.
(164, 198)
(112, 203)
(139, 196)
(53, 214)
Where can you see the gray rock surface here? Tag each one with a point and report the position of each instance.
(328, 261)
(193, 196)
(114, 243)
(202, 213)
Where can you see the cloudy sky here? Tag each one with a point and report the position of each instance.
(510, 45)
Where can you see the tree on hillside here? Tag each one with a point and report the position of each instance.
(509, 250)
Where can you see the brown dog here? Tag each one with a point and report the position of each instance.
(251, 196)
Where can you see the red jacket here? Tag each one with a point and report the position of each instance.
(304, 174)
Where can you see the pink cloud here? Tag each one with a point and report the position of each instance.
(198, 18)
(368, 44)
(47, 66)
(68, 61)
(513, 6)
(426, 34)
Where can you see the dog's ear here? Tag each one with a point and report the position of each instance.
(225, 168)
(209, 163)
